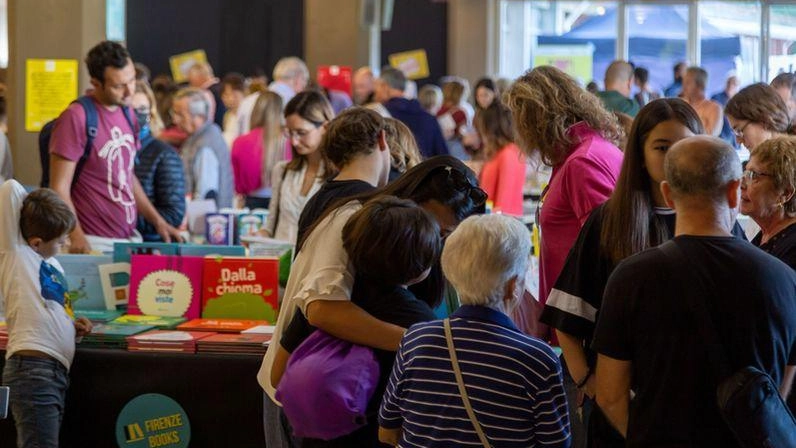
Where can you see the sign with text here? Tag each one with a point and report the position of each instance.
(413, 63)
(50, 85)
(153, 420)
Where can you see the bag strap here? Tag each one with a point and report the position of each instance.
(92, 120)
(707, 328)
(460, 382)
(278, 208)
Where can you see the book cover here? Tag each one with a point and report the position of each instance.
(262, 247)
(204, 250)
(115, 279)
(99, 315)
(162, 285)
(245, 339)
(240, 288)
(249, 224)
(220, 325)
(160, 322)
(114, 331)
(123, 251)
(220, 229)
(84, 281)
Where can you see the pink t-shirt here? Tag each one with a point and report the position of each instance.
(585, 180)
(103, 193)
(247, 153)
(503, 178)
(247, 165)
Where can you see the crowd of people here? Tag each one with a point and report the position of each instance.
(397, 199)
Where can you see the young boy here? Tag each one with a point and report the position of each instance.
(41, 325)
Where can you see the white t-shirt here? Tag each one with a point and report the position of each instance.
(32, 288)
(321, 271)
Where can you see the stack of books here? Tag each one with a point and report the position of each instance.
(159, 322)
(166, 341)
(220, 325)
(99, 316)
(235, 344)
(112, 335)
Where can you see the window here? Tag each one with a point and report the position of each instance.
(657, 40)
(730, 42)
(782, 43)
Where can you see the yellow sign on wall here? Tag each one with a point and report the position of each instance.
(50, 85)
(413, 63)
(576, 60)
(181, 63)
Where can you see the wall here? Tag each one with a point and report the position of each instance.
(239, 35)
(44, 29)
(333, 35)
(419, 24)
(472, 39)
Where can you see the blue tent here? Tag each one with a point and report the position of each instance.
(658, 42)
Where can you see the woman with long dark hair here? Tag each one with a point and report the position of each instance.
(634, 218)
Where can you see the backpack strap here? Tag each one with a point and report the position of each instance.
(92, 123)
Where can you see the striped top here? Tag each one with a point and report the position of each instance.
(513, 381)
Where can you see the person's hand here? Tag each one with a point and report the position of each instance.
(168, 232)
(83, 326)
(78, 244)
(264, 233)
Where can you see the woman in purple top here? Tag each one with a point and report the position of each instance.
(578, 138)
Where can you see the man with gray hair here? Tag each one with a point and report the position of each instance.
(389, 91)
(513, 382)
(290, 77)
(616, 96)
(660, 307)
(205, 156)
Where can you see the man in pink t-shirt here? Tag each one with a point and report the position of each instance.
(106, 196)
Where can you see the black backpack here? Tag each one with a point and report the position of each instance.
(91, 131)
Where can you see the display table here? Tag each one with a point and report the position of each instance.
(219, 393)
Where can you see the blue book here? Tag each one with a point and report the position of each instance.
(203, 250)
(83, 281)
(123, 251)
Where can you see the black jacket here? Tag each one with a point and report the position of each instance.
(160, 171)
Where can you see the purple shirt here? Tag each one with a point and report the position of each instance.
(585, 180)
(103, 192)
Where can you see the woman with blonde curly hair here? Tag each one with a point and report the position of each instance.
(578, 138)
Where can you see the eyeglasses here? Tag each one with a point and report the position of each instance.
(462, 183)
(739, 133)
(300, 133)
(750, 175)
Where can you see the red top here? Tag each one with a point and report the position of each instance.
(503, 178)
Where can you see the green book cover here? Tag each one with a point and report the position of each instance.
(99, 315)
(115, 331)
(160, 322)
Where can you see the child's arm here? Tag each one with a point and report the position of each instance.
(12, 194)
(347, 321)
(278, 367)
(83, 326)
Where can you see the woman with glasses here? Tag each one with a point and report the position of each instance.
(255, 153)
(573, 133)
(157, 166)
(295, 181)
(767, 196)
(321, 280)
(756, 114)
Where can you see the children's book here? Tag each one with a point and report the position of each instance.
(240, 288)
(241, 344)
(115, 279)
(160, 322)
(220, 229)
(220, 325)
(162, 285)
(204, 250)
(84, 281)
(100, 316)
(123, 251)
(166, 341)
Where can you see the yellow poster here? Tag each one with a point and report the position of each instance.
(413, 63)
(180, 63)
(50, 85)
(575, 60)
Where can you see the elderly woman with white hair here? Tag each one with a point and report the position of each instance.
(475, 378)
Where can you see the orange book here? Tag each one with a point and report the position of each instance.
(220, 325)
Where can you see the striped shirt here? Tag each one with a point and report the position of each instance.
(513, 381)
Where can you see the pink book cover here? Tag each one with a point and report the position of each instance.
(166, 285)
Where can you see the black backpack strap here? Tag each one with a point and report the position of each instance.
(92, 123)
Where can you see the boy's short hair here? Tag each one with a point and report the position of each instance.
(354, 131)
(234, 81)
(391, 240)
(45, 215)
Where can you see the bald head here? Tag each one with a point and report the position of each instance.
(619, 77)
(701, 168)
